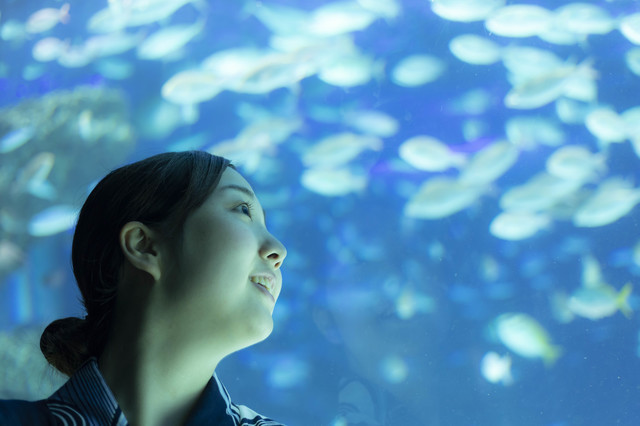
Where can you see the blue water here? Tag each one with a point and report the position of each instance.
(351, 256)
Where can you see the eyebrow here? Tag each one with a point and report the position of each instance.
(245, 191)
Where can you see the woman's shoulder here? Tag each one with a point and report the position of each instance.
(248, 417)
(21, 412)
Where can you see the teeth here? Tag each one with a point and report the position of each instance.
(263, 281)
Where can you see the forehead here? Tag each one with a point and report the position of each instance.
(232, 182)
(232, 177)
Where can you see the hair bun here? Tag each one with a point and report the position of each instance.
(64, 344)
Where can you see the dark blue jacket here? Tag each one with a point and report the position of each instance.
(87, 400)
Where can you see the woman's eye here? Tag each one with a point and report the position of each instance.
(245, 208)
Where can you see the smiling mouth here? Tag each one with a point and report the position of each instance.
(265, 285)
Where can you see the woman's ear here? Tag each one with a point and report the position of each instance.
(327, 326)
(140, 247)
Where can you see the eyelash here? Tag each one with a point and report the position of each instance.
(249, 208)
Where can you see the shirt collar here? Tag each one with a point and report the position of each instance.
(88, 393)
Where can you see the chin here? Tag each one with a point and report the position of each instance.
(258, 331)
(266, 330)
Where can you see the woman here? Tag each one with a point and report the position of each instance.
(384, 314)
(177, 270)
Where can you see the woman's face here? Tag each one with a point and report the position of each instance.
(382, 346)
(209, 289)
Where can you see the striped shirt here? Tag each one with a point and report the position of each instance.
(86, 400)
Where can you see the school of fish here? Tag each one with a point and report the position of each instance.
(547, 94)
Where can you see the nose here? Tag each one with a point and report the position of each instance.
(273, 251)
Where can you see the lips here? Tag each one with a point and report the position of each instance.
(266, 282)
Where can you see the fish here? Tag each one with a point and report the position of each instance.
(159, 118)
(13, 31)
(112, 44)
(515, 226)
(168, 40)
(86, 126)
(594, 299)
(47, 18)
(570, 111)
(279, 19)
(281, 71)
(34, 71)
(245, 153)
(576, 162)
(543, 89)
(606, 124)
(338, 149)
(600, 301)
(371, 122)
(288, 372)
(465, 10)
(474, 49)
(559, 310)
(559, 34)
(333, 182)
(339, 17)
(612, 199)
(541, 192)
(48, 49)
(115, 68)
(270, 130)
(106, 21)
(75, 56)
(519, 20)
(53, 220)
(631, 121)
(442, 196)
(472, 102)
(635, 144)
(591, 272)
(32, 178)
(411, 302)
(496, 368)
(629, 26)
(191, 87)
(491, 162)
(524, 335)
(527, 62)
(258, 138)
(394, 369)
(138, 13)
(416, 70)
(529, 132)
(349, 70)
(585, 18)
(11, 256)
(234, 65)
(388, 9)
(16, 138)
(430, 154)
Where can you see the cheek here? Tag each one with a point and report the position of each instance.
(224, 227)
(218, 248)
(204, 237)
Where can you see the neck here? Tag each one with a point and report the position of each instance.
(155, 376)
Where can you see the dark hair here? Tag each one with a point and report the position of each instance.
(160, 191)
